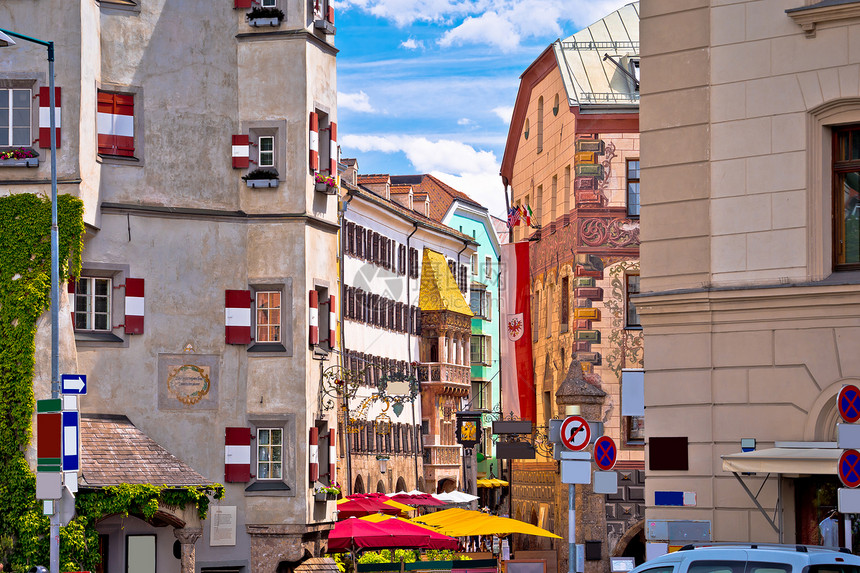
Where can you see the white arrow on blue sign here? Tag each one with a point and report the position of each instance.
(73, 383)
(71, 441)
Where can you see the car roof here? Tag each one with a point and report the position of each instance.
(798, 556)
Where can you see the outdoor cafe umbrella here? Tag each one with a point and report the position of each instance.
(464, 522)
(364, 506)
(424, 499)
(455, 497)
(355, 534)
(397, 525)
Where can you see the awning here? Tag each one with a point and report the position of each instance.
(491, 482)
(804, 461)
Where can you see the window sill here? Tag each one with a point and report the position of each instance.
(262, 183)
(82, 336)
(258, 22)
(118, 160)
(125, 5)
(633, 327)
(267, 348)
(274, 487)
(325, 26)
(28, 162)
(635, 443)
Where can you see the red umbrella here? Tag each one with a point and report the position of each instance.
(415, 499)
(437, 540)
(364, 506)
(353, 534)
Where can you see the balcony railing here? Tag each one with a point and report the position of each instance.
(445, 455)
(444, 372)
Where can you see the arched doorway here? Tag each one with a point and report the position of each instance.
(446, 485)
(359, 485)
(380, 487)
(401, 484)
(632, 543)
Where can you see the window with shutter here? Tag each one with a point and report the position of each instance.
(115, 124)
(45, 117)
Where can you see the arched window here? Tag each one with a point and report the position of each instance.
(540, 125)
(555, 106)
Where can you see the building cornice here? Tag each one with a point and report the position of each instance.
(808, 17)
(300, 33)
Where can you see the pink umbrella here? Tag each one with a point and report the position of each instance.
(353, 534)
(437, 540)
(364, 506)
(417, 499)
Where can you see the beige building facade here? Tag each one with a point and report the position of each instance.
(749, 252)
(206, 310)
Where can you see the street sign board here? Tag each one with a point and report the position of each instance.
(49, 485)
(575, 433)
(71, 441)
(512, 427)
(73, 383)
(606, 482)
(49, 448)
(605, 453)
(848, 403)
(849, 468)
(848, 436)
(575, 471)
(848, 500)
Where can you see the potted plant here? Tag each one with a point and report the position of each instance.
(19, 157)
(265, 16)
(323, 493)
(261, 178)
(325, 184)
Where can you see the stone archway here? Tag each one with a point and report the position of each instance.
(401, 484)
(359, 485)
(380, 487)
(632, 543)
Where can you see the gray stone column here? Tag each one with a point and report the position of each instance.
(187, 537)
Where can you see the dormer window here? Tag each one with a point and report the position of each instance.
(634, 69)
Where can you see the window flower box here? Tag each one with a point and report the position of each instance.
(326, 494)
(260, 16)
(19, 157)
(324, 184)
(262, 179)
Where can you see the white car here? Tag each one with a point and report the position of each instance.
(753, 558)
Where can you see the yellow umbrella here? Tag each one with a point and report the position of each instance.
(444, 516)
(491, 482)
(401, 506)
(469, 522)
(378, 517)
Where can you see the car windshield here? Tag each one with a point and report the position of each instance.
(834, 568)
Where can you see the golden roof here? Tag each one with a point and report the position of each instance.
(438, 287)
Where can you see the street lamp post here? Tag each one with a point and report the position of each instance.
(6, 40)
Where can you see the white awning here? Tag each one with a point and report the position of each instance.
(804, 461)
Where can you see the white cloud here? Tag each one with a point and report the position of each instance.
(465, 121)
(474, 172)
(505, 112)
(355, 101)
(412, 44)
(488, 28)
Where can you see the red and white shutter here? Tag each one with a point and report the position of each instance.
(134, 306)
(332, 323)
(45, 116)
(237, 454)
(115, 124)
(241, 151)
(315, 142)
(329, 15)
(238, 317)
(313, 317)
(70, 286)
(314, 455)
(332, 149)
(332, 459)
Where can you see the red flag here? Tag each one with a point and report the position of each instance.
(518, 387)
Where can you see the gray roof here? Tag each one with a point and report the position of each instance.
(592, 80)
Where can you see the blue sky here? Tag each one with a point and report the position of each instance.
(427, 86)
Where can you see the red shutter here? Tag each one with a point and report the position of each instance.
(241, 151)
(115, 124)
(329, 15)
(313, 317)
(242, 4)
(237, 454)
(332, 458)
(45, 116)
(332, 149)
(70, 287)
(313, 456)
(238, 317)
(332, 323)
(134, 306)
(315, 142)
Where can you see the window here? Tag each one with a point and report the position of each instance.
(555, 105)
(480, 349)
(538, 212)
(488, 267)
(554, 204)
(535, 310)
(635, 427)
(268, 3)
(633, 187)
(548, 311)
(266, 144)
(632, 317)
(526, 130)
(540, 125)
(566, 190)
(634, 69)
(268, 307)
(15, 117)
(846, 195)
(564, 315)
(93, 304)
(115, 124)
(480, 302)
(270, 453)
(474, 262)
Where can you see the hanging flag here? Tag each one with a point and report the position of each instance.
(529, 215)
(518, 387)
(513, 217)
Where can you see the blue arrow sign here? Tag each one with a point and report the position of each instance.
(71, 441)
(73, 383)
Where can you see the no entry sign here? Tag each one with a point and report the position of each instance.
(575, 433)
(605, 453)
(849, 468)
(848, 403)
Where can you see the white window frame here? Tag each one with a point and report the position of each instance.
(269, 324)
(270, 448)
(268, 3)
(7, 134)
(269, 153)
(488, 270)
(88, 298)
(474, 263)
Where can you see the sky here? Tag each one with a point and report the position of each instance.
(428, 86)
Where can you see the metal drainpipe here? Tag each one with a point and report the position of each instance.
(465, 246)
(409, 352)
(346, 438)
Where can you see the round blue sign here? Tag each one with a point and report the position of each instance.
(848, 403)
(605, 453)
(849, 468)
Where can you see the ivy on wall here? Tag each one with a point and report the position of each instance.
(25, 292)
